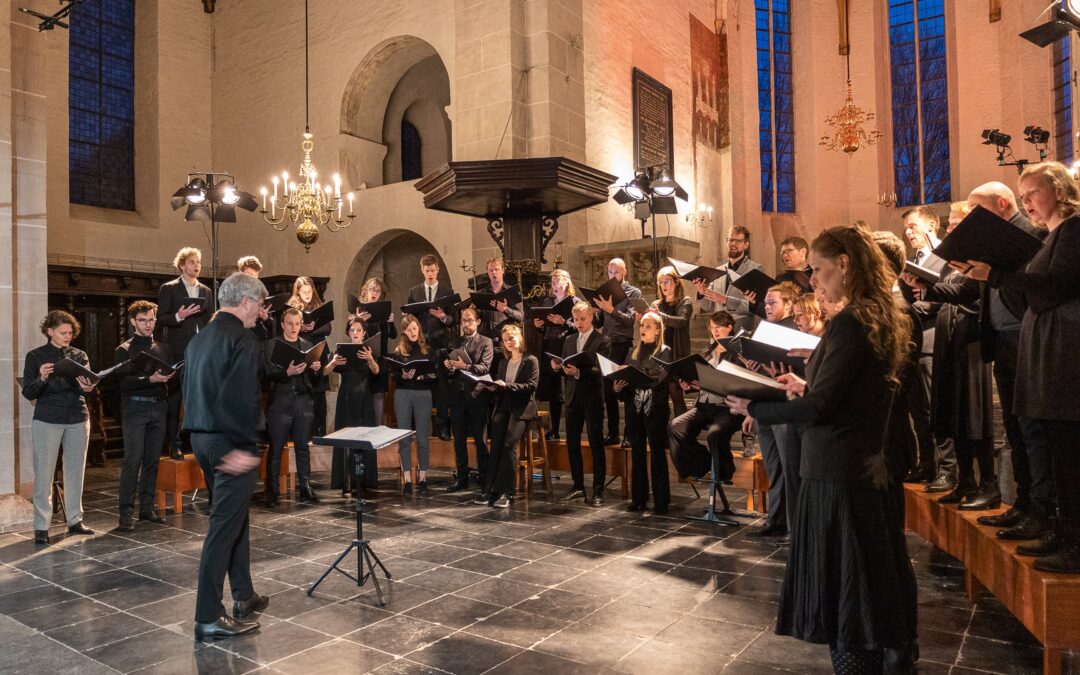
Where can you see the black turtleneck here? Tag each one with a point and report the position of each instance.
(419, 381)
(59, 400)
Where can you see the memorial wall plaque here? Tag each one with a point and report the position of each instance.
(653, 128)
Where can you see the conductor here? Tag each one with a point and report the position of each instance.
(221, 400)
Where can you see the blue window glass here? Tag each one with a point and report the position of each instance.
(1063, 127)
(776, 117)
(920, 101)
(101, 104)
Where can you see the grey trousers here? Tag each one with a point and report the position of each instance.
(48, 439)
(781, 451)
(413, 410)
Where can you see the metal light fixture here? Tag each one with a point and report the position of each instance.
(306, 203)
(847, 133)
(648, 193)
(212, 196)
(1058, 20)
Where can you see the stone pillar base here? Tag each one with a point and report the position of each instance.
(16, 513)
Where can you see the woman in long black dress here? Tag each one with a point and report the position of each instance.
(374, 290)
(675, 309)
(846, 584)
(553, 330)
(305, 297)
(514, 407)
(355, 404)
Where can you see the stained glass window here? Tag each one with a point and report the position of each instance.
(776, 117)
(1063, 127)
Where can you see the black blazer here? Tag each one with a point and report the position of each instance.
(436, 332)
(285, 388)
(1047, 369)
(591, 382)
(481, 351)
(847, 401)
(519, 396)
(171, 297)
(926, 310)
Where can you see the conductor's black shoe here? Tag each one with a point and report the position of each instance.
(613, 440)
(407, 489)
(127, 524)
(1065, 561)
(176, 454)
(572, 494)
(597, 500)
(152, 516)
(256, 603)
(225, 627)
(41, 536)
(503, 502)
(1048, 544)
(988, 497)
(458, 485)
(79, 528)
(943, 483)
(768, 531)
(1007, 519)
(551, 436)
(308, 496)
(1029, 527)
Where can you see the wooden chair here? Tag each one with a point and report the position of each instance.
(532, 453)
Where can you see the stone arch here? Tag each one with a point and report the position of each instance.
(393, 255)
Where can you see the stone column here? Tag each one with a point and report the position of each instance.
(24, 280)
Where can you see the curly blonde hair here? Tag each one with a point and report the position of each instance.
(868, 289)
(1061, 182)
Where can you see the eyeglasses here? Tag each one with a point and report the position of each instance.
(464, 320)
(145, 321)
(733, 240)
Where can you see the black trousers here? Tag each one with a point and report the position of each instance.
(781, 450)
(172, 421)
(970, 451)
(1041, 499)
(318, 423)
(651, 429)
(619, 350)
(1006, 354)
(441, 396)
(225, 549)
(689, 456)
(918, 404)
(144, 431)
(506, 433)
(284, 421)
(468, 417)
(586, 411)
(1064, 449)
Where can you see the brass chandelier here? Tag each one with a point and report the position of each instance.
(306, 202)
(847, 124)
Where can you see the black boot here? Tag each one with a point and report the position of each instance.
(308, 496)
(1048, 544)
(958, 494)
(943, 483)
(1029, 528)
(987, 497)
(271, 497)
(1067, 558)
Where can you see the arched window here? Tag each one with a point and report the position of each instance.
(411, 164)
(920, 101)
(776, 116)
(101, 103)
(1063, 126)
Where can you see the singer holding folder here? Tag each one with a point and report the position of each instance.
(291, 409)
(355, 403)
(306, 298)
(849, 581)
(374, 290)
(412, 397)
(60, 418)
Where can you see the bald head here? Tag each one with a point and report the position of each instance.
(995, 197)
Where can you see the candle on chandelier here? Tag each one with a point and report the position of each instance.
(274, 180)
(285, 182)
(350, 204)
(263, 191)
(337, 185)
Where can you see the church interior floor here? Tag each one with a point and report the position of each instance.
(542, 587)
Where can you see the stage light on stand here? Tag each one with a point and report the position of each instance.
(1058, 20)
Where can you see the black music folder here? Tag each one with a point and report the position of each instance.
(690, 271)
(771, 343)
(285, 354)
(634, 377)
(754, 281)
(988, 238)
(483, 301)
(924, 273)
(684, 368)
(321, 315)
(565, 309)
(422, 365)
(193, 302)
(728, 379)
(71, 369)
(379, 310)
(612, 290)
(480, 379)
(459, 354)
(639, 305)
(148, 363)
(351, 350)
(579, 360)
(445, 303)
(276, 303)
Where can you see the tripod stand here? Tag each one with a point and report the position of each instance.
(365, 556)
(716, 488)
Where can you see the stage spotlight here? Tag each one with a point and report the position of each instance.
(1037, 135)
(638, 187)
(995, 137)
(1058, 20)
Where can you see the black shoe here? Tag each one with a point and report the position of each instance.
(1029, 527)
(407, 489)
(458, 485)
(572, 494)
(503, 502)
(635, 507)
(422, 487)
(256, 603)
(176, 454)
(597, 500)
(1065, 561)
(1049, 544)
(613, 440)
(271, 499)
(902, 660)
(943, 483)
(768, 531)
(919, 476)
(988, 497)
(41, 536)
(958, 494)
(1007, 519)
(79, 528)
(225, 627)
(152, 516)
(444, 434)
(784, 540)
(551, 436)
(308, 496)
(660, 510)
(484, 500)
(127, 524)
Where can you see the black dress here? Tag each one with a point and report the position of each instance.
(848, 581)
(355, 408)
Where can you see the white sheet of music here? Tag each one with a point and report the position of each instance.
(776, 335)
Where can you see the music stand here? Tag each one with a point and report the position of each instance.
(357, 439)
(716, 487)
